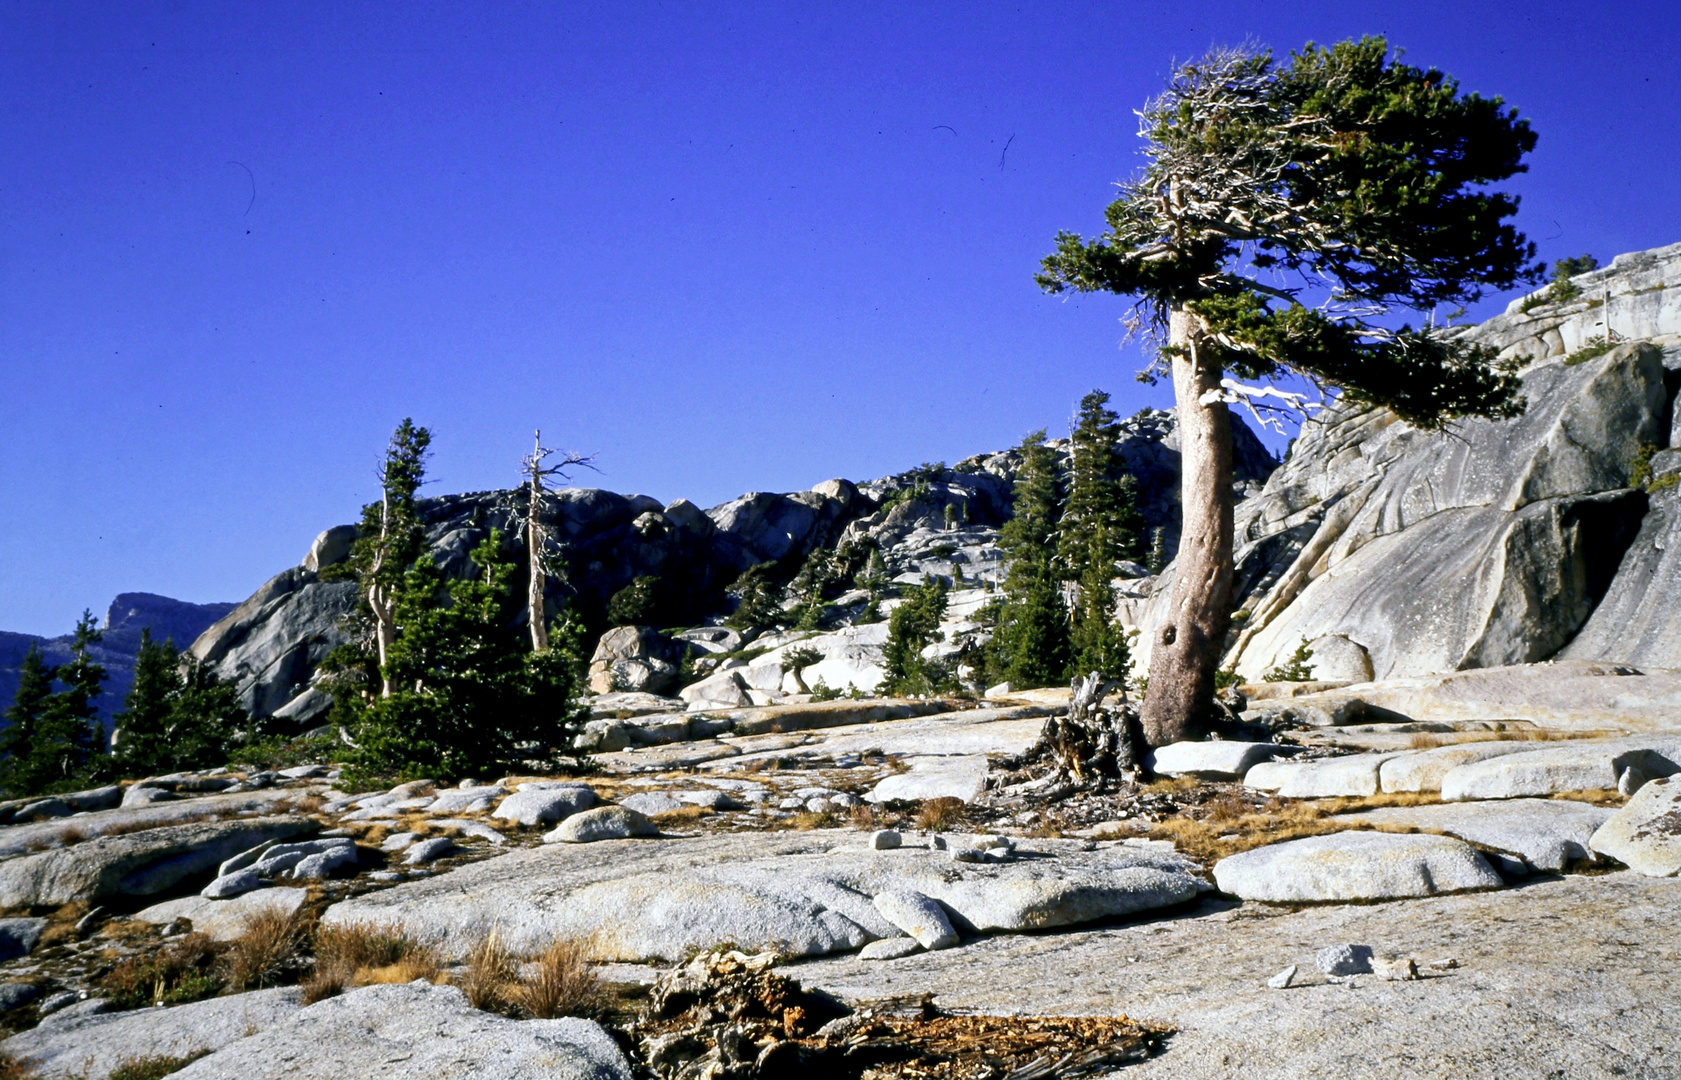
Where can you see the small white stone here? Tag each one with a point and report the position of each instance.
(1402, 970)
(1283, 978)
(885, 840)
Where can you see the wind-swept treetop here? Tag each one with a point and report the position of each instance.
(1344, 178)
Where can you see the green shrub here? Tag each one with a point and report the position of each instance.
(637, 604)
(1295, 669)
(1592, 349)
(185, 970)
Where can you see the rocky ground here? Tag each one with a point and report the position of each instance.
(1502, 895)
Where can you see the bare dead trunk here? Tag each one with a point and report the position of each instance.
(385, 628)
(535, 608)
(1186, 652)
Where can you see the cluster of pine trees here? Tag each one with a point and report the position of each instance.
(177, 715)
(1057, 614)
(446, 678)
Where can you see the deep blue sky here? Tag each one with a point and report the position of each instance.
(725, 247)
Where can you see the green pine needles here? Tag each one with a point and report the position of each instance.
(53, 737)
(178, 715)
(1342, 168)
(913, 626)
(469, 697)
(1057, 618)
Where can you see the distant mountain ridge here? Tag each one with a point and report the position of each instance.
(128, 614)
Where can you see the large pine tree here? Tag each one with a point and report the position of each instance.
(1101, 521)
(389, 539)
(1099, 526)
(1287, 215)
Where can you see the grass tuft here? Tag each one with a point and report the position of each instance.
(365, 954)
(268, 945)
(562, 984)
(935, 815)
(1232, 825)
(185, 970)
(492, 976)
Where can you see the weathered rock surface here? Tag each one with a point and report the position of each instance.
(1435, 552)
(1549, 834)
(1577, 765)
(620, 705)
(92, 1046)
(918, 916)
(798, 894)
(1346, 777)
(75, 802)
(541, 805)
(1645, 835)
(224, 920)
(889, 949)
(602, 823)
(638, 659)
(1534, 992)
(1354, 866)
(17, 839)
(414, 1032)
(19, 936)
(466, 800)
(956, 776)
(1423, 770)
(137, 864)
(1571, 695)
(1212, 760)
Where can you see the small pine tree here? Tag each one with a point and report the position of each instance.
(795, 661)
(756, 595)
(1098, 642)
(24, 718)
(913, 626)
(55, 736)
(1030, 646)
(1295, 669)
(1157, 557)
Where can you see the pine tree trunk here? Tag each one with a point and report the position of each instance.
(1186, 651)
(536, 609)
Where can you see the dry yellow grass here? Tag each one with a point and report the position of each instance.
(806, 820)
(937, 814)
(1428, 740)
(1232, 825)
(864, 817)
(562, 983)
(1599, 797)
(683, 815)
(363, 954)
(269, 941)
(492, 975)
